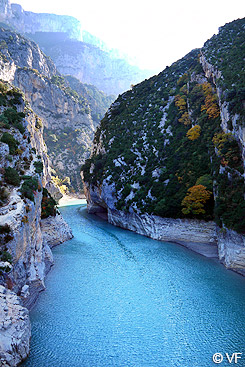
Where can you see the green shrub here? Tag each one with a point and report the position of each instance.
(5, 234)
(48, 205)
(38, 123)
(11, 176)
(5, 229)
(11, 141)
(38, 167)
(28, 187)
(4, 194)
(15, 118)
(5, 256)
(4, 123)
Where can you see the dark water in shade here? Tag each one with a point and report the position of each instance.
(115, 298)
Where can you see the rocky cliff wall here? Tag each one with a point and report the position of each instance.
(29, 22)
(69, 127)
(60, 37)
(25, 254)
(229, 122)
(231, 245)
(92, 65)
(15, 329)
(202, 237)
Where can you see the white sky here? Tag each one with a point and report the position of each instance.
(154, 32)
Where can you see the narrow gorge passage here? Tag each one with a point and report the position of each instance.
(115, 298)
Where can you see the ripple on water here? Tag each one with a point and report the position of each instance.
(115, 298)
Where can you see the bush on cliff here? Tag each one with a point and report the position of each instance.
(28, 188)
(11, 141)
(11, 176)
(48, 205)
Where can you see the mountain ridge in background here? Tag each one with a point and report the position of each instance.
(74, 51)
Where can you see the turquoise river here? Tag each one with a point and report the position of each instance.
(115, 298)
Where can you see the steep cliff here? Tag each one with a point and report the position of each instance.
(65, 114)
(29, 22)
(89, 63)
(173, 147)
(25, 256)
(74, 51)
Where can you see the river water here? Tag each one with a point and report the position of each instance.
(115, 298)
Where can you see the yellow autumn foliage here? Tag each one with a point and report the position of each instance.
(180, 102)
(211, 105)
(185, 119)
(194, 132)
(195, 199)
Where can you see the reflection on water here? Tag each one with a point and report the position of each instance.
(115, 298)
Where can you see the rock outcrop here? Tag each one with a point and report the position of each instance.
(231, 248)
(15, 329)
(55, 230)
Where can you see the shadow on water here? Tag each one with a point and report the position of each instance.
(105, 227)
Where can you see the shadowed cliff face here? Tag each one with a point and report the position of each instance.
(66, 115)
(173, 146)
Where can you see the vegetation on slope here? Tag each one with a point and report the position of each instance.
(162, 147)
(225, 52)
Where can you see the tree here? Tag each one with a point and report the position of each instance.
(180, 102)
(211, 105)
(194, 132)
(195, 199)
(185, 119)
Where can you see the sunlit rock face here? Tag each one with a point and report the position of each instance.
(25, 65)
(93, 66)
(15, 329)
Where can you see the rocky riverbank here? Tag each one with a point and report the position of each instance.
(15, 329)
(199, 236)
(202, 237)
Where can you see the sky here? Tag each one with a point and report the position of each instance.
(153, 33)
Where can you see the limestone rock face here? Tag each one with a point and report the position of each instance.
(55, 230)
(23, 53)
(29, 255)
(29, 22)
(199, 236)
(74, 51)
(15, 329)
(92, 65)
(63, 116)
(231, 247)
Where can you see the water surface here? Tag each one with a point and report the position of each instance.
(115, 298)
